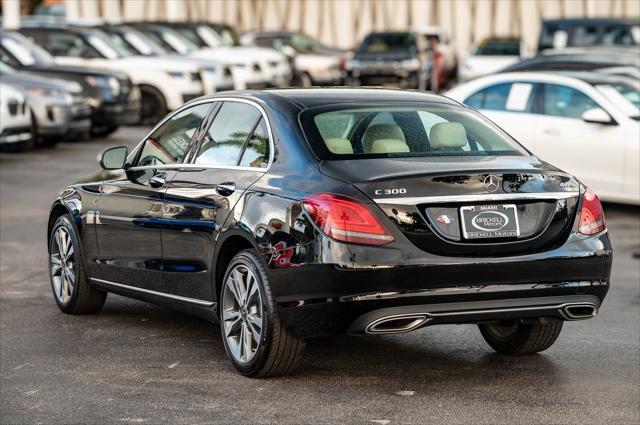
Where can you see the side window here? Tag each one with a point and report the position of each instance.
(493, 98)
(169, 143)
(223, 142)
(563, 101)
(514, 97)
(256, 153)
(68, 44)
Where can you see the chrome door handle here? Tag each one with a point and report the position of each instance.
(226, 188)
(158, 180)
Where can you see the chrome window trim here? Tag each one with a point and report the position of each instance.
(161, 294)
(215, 167)
(475, 198)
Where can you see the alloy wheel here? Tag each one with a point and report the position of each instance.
(62, 263)
(242, 313)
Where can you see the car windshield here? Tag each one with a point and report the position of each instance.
(179, 43)
(142, 44)
(384, 43)
(302, 43)
(625, 96)
(227, 34)
(209, 37)
(498, 48)
(25, 51)
(192, 35)
(107, 48)
(414, 130)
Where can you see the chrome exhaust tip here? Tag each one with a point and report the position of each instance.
(579, 311)
(397, 323)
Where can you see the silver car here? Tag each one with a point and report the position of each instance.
(58, 108)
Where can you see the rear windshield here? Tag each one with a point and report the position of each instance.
(418, 130)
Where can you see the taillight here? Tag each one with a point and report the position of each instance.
(591, 216)
(345, 219)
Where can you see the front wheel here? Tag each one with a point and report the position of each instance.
(69, 280)
(256, 341)
(153, 106)
(516, 338)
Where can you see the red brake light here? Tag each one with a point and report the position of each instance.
(591, 216)
(345, 219)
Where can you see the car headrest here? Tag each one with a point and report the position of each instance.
(339, 146)
(448, 135)
(389, 146)
(380, 131)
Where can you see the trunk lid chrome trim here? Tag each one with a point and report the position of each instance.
(475, 198)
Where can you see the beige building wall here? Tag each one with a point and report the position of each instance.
(343, 23)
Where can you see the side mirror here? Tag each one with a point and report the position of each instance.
(114, 158)
(597, 116)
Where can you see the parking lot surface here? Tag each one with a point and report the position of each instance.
(138, 363)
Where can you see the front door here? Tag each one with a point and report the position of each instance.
(129, 220)
(233, 154)
(592, 152)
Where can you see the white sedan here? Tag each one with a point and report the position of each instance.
(584, 123)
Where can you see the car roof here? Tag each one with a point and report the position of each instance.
(593, 77)
(313, 97)
(579, 21)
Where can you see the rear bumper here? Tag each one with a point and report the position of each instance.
(321, 299)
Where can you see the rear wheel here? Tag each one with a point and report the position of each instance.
(256, 341)
(153, 106)
(69, 280)
(522, 337)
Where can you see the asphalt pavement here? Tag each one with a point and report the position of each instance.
(141, 364)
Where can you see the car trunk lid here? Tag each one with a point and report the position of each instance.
(468, 206)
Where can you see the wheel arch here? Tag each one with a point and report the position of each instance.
(61, 207)
(228, 245)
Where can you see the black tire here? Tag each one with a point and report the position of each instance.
(103, 131)
(153, 106)
(83, 299)
(278, 351)
(522, 337)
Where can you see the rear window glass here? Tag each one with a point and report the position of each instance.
(348, 132)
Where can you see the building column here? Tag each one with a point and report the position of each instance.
(11, 14)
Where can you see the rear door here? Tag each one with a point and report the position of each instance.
(233, 154)
(128, 225)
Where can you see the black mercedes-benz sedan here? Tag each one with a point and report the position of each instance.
(288, 214)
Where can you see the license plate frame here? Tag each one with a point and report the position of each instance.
(493, 221)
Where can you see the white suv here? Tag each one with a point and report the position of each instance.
(221, 41)
(164, 85)
(15, 119)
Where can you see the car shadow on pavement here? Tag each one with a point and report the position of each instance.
(445, 354)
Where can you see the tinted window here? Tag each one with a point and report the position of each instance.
(387, 42)
(225, 138)
(565, 102)
(498, 48)
(515, 97)
(256, 153)
(404, 131)
(585, 35)
(169, 143)
(60, 43)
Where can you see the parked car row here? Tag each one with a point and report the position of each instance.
(138, 72)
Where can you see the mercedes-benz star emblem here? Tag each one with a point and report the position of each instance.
(491, 183)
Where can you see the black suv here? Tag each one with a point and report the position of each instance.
(399, 58)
